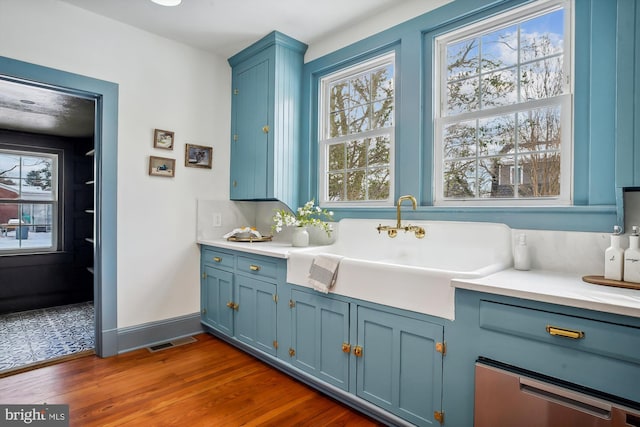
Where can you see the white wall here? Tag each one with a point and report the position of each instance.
(163, 85)
(402, 11)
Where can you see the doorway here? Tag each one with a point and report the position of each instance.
(105, 96)
(46, 225)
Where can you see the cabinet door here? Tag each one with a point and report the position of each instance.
(250, 140)
(217, 291)
(399, 368)
(256, 315)
(319, 328)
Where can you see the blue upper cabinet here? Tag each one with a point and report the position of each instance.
(265, 119)
(628, 100)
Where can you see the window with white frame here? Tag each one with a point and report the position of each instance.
(28, 201)
(503, 118)
(356, 141)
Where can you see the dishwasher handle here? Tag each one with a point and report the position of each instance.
(566, 397)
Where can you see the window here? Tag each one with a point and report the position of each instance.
(28, 201)
(357, 134)
(503, 125)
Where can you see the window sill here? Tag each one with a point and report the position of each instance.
(600, 218)
(34, 258)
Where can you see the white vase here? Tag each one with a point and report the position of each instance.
(300, 237)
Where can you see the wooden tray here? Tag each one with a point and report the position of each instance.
(600, 280)
(250, 239)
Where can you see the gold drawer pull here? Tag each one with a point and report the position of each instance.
(253, 267)
(357, 351)
(565, 333)
(217, 259)
(346, 347)
(232, 305)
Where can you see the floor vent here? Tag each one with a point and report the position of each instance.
(171, 344)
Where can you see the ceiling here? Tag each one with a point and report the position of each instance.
(222, 27)
(225, 27)
(34, 109)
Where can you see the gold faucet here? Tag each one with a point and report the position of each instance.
(393, 231)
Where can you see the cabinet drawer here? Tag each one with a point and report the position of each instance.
(217, 258)
(257, 267)
(593, 336)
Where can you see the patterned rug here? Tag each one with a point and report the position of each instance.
(35, 336)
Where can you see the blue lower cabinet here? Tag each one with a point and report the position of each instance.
(374, 352)
(256, 313)
(593, 351)
(216, 293)
(383, 360)
(239, 296)
(398, 366)
(320, 337)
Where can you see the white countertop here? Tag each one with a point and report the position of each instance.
(557, 288)
(546, 286)
(272, 249)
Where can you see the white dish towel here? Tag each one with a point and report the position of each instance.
(324, 272)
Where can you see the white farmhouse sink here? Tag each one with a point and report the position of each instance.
(406, 272)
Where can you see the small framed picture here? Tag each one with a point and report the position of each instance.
(198, 156)
(163, 139)
(162, 166)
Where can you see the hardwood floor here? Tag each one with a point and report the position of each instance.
(207, 383)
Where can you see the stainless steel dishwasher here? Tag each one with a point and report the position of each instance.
(506, 396)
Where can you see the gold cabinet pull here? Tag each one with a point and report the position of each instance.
(357, 351)
(292, 352)
(254, 267)
(232, 305)
(346, 347)
(265, 129)
(217, 259)
(565, 333)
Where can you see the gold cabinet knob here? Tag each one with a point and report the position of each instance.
(265, 129)
(357, 351)
(346, 347)
(254, 267)
(217, 259)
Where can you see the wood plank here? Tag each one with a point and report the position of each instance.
(207, 383)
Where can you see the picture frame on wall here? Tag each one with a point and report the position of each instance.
(198, 156)
(162, 166)
(163, 139)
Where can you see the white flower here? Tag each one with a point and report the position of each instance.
(307, 215)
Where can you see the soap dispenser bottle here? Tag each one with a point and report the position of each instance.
(614, 257)
(521, 259)
(632, 257)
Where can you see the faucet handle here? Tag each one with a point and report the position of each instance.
(417, 230)
(391, 231)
